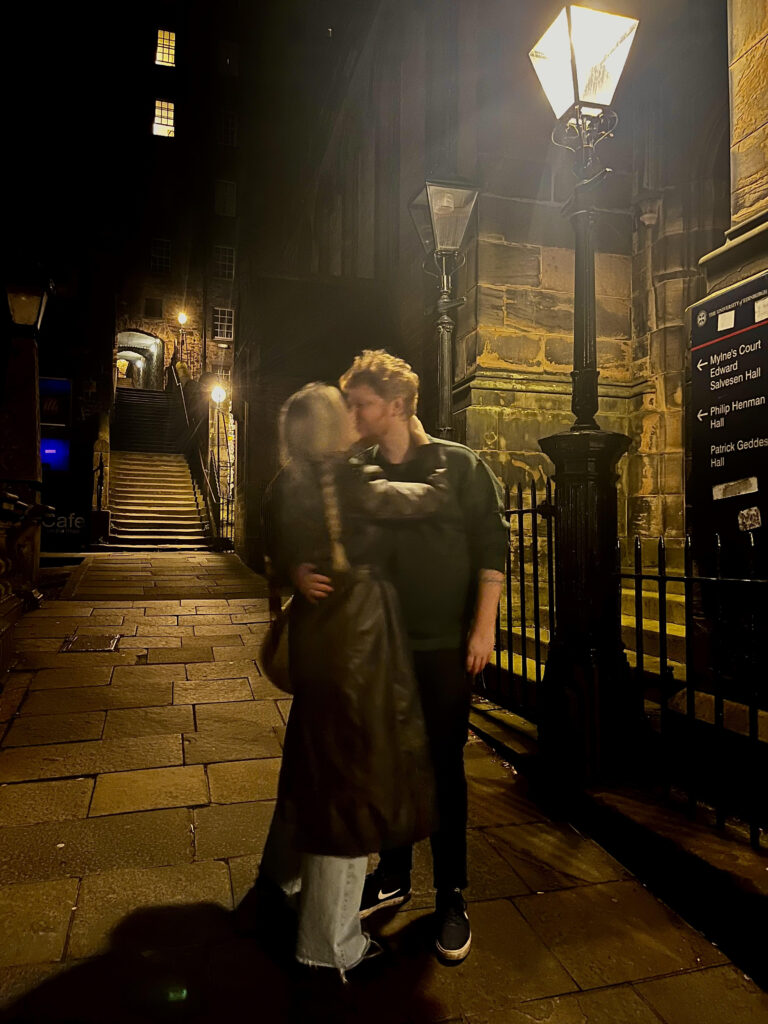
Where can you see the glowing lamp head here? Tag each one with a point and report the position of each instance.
(218, 394)
(581, 56)
(182, 318)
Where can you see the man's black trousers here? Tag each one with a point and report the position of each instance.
(445, 695)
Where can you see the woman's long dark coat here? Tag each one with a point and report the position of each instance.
(356, 774)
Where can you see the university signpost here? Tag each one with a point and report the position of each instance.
(728, 422)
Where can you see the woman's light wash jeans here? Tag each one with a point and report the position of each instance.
(328, 892)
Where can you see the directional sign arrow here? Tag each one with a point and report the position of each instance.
(701, 414)
(702, 363)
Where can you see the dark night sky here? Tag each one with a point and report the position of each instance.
(73, 78)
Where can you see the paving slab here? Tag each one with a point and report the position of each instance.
(25, 803)
(205, 691)
(490, 876)
(107, 899)
(18, 980)
(223, 669)
(149, 721)
(34, 920)
(126, 629)
(58, 760)
(231, 830)
(55, 678)
(508, 963)
(615, 932)
(149, 789)
(238, 716)
(145, 643)
(186, 655)
(608, 1006)
(243, 781)
(33, 730)
(59, 608)
(149, 628)
(73, 661)
(38, 644)
(554, 857)
(283, 703)
(230, 741)
(214, 641)
(495, 793)
(222, 630)
(246, 650)
(715, 996)
(203, 618)
(148, 673)
(243, 872)
(83, 846)
(98, 698)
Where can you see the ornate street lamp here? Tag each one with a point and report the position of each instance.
(441, 213)
(589, 711)
(579, 61)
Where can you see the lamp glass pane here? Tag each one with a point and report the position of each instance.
(551, 59)
(451, 207)
(25, 307)
(419, 209)
(601, 44)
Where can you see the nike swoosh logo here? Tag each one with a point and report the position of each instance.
(386, 895)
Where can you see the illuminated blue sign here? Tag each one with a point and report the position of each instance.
(54, 453)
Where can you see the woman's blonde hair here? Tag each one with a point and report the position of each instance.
(313, 424)
(314, 427)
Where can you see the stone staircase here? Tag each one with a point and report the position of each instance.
(153, 501)
(145, 421)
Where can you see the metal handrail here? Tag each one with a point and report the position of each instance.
(215, 497)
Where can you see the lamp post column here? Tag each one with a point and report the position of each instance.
(445, 328)
(590, 714)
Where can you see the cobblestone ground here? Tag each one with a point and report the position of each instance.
(136, 790)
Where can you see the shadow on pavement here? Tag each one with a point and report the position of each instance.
(201, 964)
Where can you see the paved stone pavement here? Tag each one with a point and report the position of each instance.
(136, 790)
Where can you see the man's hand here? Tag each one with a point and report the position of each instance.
(483, 631)
(310, 583)
(418, 434)
(479, 649)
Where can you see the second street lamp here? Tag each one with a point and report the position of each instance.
(441, 214)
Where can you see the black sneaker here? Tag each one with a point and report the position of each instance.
(454, 936)
(383, 892)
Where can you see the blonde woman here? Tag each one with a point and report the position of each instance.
(355, 740)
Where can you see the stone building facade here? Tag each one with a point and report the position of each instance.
(446, 88)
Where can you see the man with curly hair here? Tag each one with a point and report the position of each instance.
(448, 573)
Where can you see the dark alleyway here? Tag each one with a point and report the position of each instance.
(136, 789)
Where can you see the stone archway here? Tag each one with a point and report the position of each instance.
(143, 356)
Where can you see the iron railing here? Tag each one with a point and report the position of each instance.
(692, 624)
(696, 637)
(526, 617)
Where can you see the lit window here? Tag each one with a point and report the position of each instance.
(225, 193)
(160, 256)
(223, 323)
(163, 119)
(166, 48)
(153, 309)
(224, 262)
(228, 129)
